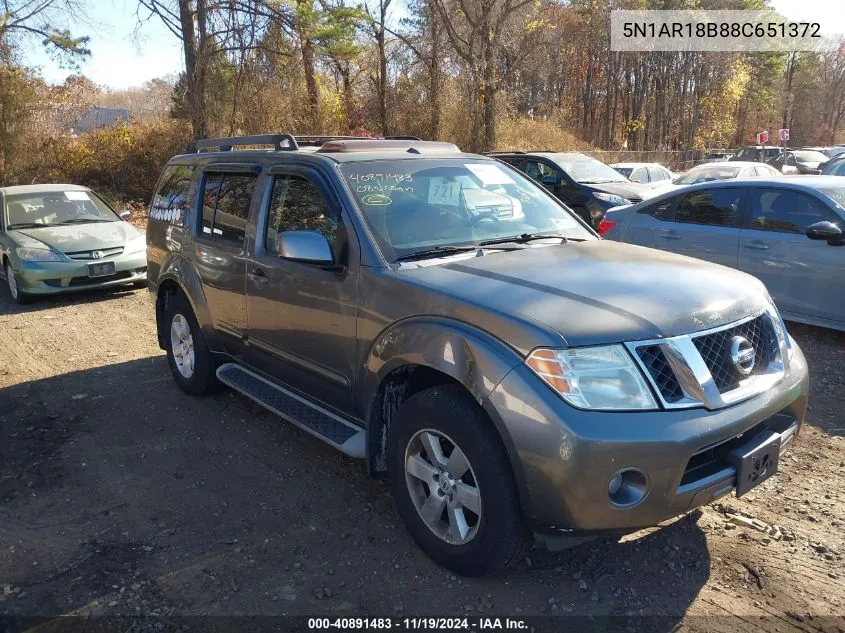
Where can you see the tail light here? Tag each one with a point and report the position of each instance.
(605, 225)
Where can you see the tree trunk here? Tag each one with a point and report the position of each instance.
(309, 68)
(195, 47)
(382, 80)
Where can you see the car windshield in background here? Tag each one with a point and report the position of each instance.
(625, 171)
(419, 205)
(51, 208)
(695, 176)
(587, 170)
(810, 157)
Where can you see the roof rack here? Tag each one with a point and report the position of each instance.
(402, 138)
(382, 145)
(280, 142)
(319, 139)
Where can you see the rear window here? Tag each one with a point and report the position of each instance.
(708, 174)
(171, 202)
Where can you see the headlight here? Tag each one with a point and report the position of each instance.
(612, 198)
(136, 244)
(602, 378)
(784, 341)
(38, 255)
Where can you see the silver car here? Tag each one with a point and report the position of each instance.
(787, 231)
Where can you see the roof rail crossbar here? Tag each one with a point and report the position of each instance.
(402, 138)
(281, 142)
(319, 139)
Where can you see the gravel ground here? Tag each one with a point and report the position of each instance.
(119, 495)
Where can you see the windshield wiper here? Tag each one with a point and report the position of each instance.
(436, 251)
(83, 220)
(25, 225)
(522, 239)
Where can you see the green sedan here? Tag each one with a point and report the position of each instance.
(58, 238)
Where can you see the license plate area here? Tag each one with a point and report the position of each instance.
(755, 461)
(101, 269)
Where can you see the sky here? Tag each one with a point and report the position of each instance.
(125, 53)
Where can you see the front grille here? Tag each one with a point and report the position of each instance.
(658, 368)
(715, 350)
(103, 253)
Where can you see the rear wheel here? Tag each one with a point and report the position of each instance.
(453, 484)
(18, 295)
(191, 363)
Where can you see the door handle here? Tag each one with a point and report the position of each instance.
(757, 245)
(258, 277)
(669, 234)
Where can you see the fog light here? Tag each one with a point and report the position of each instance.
(627, 488)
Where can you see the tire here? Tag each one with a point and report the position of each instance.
(192, 365)
(495, 537)
(18, 295)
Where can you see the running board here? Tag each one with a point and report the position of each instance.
(312, 418)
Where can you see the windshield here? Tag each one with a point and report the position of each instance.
(625, 171)
(50, 208)
(810, 157)
(587, 170)
(421, 204)
(694, 176)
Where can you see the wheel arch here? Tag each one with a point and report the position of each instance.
(424, 352)
(179, 277)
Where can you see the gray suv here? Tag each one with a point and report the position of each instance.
(447, 320)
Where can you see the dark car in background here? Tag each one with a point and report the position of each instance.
(789, 232)
(758, 153)
(586, 185)
(799, 161)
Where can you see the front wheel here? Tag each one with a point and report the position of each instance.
(191, 363)
(453, 484)
(18, 295)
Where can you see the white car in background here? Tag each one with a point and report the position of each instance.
(652, 174)
(709, 172)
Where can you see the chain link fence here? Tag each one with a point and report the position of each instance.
(676, 160)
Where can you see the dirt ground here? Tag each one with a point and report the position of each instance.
(119, 495)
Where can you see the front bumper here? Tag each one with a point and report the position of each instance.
(564, 458)
(40, 278)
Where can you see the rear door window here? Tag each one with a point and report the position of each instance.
(714, 207)
(226, 199)
(660, 210)
(657, 173)
(784, 211)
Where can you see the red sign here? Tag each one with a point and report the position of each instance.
(763, 138)
(784, 134)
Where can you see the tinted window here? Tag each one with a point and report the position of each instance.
(784, 211)
(225, 206)
(716, 207)
(171, 202)
(660, 210)
(296, 204)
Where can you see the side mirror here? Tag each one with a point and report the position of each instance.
(827, 231)
(124, 215)
(309, 247)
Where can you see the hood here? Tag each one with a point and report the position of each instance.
(69, 238)
(633, 191)
(598, 292)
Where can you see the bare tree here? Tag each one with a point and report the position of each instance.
(40, 19)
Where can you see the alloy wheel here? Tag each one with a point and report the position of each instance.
(443, 487)
(182, 345)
